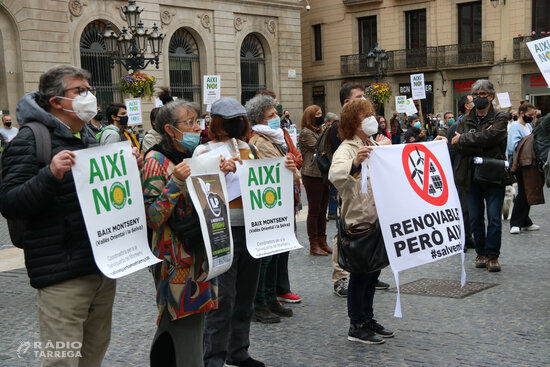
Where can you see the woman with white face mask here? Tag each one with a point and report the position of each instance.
(357, 124)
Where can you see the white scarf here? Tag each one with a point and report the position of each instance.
(277, 136)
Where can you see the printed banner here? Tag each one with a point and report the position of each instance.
(231, 179)
(410, 107)
(108, 186)
(212, 89)
(428, 225)
(268, 204)
(133, 107)
(293, 134)
(208, 193)
(401, 104)
(540, 49)
(418, 90)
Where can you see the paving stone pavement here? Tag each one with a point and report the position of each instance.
(506, 325)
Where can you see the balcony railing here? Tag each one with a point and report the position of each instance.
(424, 58)
(521, 52)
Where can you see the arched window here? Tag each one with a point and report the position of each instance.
(252, 67)
(184, 59)
(94, 58)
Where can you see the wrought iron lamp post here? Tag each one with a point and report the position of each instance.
(377, 62)
(129, 47)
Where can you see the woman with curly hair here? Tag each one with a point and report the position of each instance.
(317, 191)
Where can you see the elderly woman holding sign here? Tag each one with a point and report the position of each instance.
(269, 138)
(183, 297)
(226, 338)
(357, 124)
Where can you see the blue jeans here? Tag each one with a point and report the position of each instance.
(361, 288)
(332, 200)
(493, 197)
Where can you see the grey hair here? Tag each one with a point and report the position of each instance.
(331, 116)
(483, 84)
(168, 115)
(256, 107)
(53, 82)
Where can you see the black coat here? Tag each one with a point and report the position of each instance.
(56, 243)
(485, 139)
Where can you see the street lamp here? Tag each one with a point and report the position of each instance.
(377, 62)
(129, 47)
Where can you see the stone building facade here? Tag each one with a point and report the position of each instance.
(453, 42)
(250, 44)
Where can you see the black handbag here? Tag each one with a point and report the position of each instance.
(187, 228)
(361, 247)
(492, 172)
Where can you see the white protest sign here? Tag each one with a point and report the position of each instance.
(401, 104)
(504, 100)
(268, 205)
(231, 179)
(293, 134)
(212, 89)
(158, 103)
(108, 187)
(418, 90)
(133, 107)
(428, 225)
(410, 107)
(540, 49)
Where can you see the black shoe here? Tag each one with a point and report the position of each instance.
(382, 286)
(363, 334)
(249, 362)
(278, 309)
(264, 315)
(379, 329)
(341, 287)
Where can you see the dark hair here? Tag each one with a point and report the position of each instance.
(112, 110)
(153, 117)
(164, 95)
(349, 117)
(445, 115)
(216, 131)
(345, 91)
(206, 114)
(525, 106)
(462, 102)
(308, 118)
(267, 92)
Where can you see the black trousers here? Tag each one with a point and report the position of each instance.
(520, 213)
(226, 336)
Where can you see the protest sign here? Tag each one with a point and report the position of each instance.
(504, 100)
(418, 90)
(293, 134)
(133, 107)
(410, 108)
(208, 192)
(419, 213)
(540, 49)
(401, 104)
(268, 205)
(231, 179)
(212, 89)
(108, 187)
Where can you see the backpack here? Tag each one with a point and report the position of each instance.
(100, 134)
(323, 154)
(43, 140)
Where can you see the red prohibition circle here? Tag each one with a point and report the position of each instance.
(423, 191)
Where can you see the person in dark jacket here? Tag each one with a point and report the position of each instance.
(74, 299)
(414, 134)
(482, 133)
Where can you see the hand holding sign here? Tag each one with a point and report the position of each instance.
(182, 171)
(362, 154)
(62, 163)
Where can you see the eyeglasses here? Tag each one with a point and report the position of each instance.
(190, 123)
(82, 91)
(482, 95)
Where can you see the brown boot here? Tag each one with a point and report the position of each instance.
(314, 248)
(492, 263)
(324, 245)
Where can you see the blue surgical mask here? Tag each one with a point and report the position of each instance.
(274, 123)
(418, 125)
(450, 122)
(189, 141)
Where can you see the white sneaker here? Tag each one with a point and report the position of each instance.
(515, 230)
(532, 227)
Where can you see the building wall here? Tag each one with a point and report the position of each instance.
(37, 34)
(340, 37)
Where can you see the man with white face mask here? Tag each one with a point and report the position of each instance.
(74, 299)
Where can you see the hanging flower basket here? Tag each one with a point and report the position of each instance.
(379, 93)
(138, 85)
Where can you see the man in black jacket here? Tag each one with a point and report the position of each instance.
(482, 133)
(74, 299)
